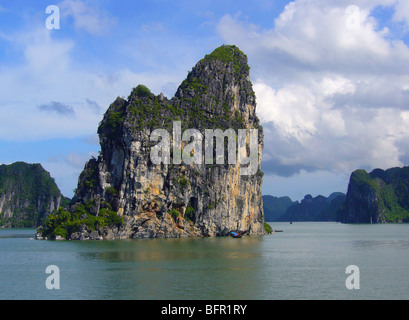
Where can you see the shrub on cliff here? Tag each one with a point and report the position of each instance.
(62, 222)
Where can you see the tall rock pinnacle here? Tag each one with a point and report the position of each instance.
(190, 188)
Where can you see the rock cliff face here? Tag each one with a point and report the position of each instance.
(377, 197)
(27, 195)
(176, 198)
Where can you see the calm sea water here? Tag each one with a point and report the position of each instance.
(305, 261)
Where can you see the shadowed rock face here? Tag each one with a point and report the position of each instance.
(178, 200)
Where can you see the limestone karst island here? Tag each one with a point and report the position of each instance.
(123, 194)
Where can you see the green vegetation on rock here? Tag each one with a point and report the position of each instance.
(142, 91)
(268, 228)
(190, 213)
(230, 53)
(63, 223)
(174, 214)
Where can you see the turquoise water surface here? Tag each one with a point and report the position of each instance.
(306, 261)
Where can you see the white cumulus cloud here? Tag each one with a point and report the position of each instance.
(330, 96)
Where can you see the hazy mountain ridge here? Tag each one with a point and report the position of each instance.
(317, 208)
(274, 207)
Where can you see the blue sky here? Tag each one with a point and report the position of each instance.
(331, 80)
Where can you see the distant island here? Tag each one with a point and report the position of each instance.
(28, 194)
(319, 208)
(380, 196)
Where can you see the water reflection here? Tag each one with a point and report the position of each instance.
(181, 249)
(396, 244)
(211, 268)
(16, 233)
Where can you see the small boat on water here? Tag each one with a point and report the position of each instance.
(235, 234)
(278, 230)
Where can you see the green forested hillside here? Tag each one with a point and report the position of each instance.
(27, 195)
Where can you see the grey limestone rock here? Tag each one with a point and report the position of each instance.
(177, 200)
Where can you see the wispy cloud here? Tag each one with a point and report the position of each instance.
(153, 27)
(86, 17)
(94, 106)
(92, 139)
(58, 108)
